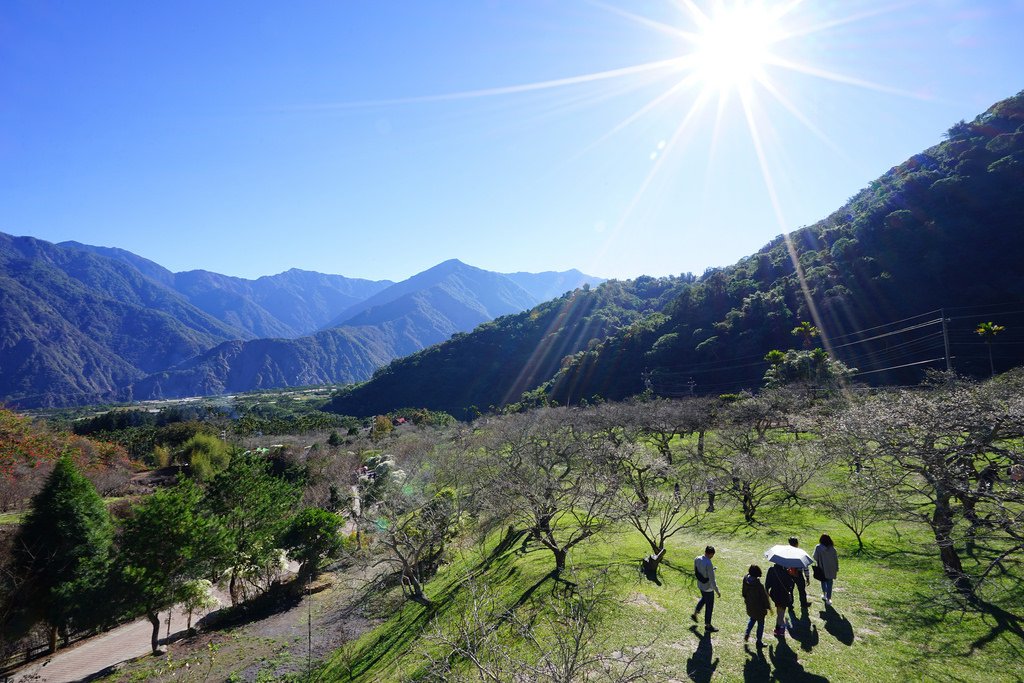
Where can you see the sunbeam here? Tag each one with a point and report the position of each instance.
(727, 51)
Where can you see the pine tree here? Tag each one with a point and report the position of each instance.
(60, 556)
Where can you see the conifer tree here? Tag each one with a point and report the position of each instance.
(60, 556)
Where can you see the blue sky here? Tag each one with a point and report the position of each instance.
(376, 139)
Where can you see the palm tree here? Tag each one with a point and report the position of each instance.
(807, 331)
(988, 332)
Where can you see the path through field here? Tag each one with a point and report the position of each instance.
(95, 654)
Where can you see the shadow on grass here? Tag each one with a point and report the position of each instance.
(803, 631)
(838, 626)
(686, 572)
(1006, 623)
(731, 526)
(392, 640)
(701, 666)
(928, 613)
(756, 668)
(787, 666)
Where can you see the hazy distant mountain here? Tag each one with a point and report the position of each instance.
(75, 324)
(338, 355)
(470, 294)
(81, 323)
(411, 315)
(289, 304)
(551, 284)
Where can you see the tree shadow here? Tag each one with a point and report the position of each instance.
(732, 527)
(939, 612)
(838, 626)
(787, 667)
(506, 544)
(1006, 623)
(702, 665)
(756, 668)
(280, 598)
(685, 572)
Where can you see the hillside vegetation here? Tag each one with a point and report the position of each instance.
(499, 360)
(556, 544)
(935, 237)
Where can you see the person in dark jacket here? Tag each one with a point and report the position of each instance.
(779, 583)
(755, 597)
(803, 576)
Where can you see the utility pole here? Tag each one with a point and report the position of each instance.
(945, 339)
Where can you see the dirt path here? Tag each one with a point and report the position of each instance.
(276, 646)
(95, 654)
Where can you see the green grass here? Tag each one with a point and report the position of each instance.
(893, 620)
(10, 518)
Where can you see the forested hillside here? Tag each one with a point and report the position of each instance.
(498, 361)
(940, 231)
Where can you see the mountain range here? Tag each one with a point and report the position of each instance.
(933, 245)
(83, 324)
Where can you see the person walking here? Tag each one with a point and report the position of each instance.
(758, 605)
(803, 576)
(705, 572)
(779, 584)
(826, 565)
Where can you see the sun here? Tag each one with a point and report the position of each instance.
(733, 45)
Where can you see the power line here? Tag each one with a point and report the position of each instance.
(897, 367)
(889, 334)
(876, 327)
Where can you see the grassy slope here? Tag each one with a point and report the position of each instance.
(887, 624)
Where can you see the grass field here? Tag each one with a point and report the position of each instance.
(893, 617)
(11, 517)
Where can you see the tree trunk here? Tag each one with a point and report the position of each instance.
(700, 444)
(53, 639)
(560, 555)
(651, 563)
(154, 618)
(942, 526)
(749, 508)
(410, 579)
(232, 588)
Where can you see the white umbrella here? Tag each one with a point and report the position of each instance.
(788, 556)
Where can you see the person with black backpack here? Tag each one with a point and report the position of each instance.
(779, 583)
(705, 573)
(803, 576)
